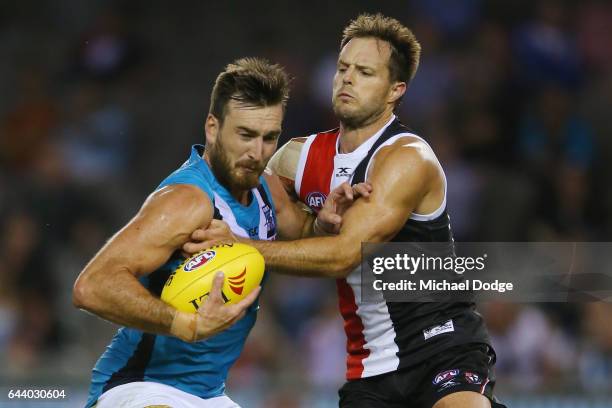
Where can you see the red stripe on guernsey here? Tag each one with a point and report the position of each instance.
(353, 326)
(318, 170)
(316, 180)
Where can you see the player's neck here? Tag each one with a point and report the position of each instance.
(352, 138)
(242, 196)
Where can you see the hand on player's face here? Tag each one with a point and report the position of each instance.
(214, 315)
(339, 200)
(218, 232)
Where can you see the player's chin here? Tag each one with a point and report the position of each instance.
(345, 111)
(340, 106)
(246, 180)
(251, 182)
(350, 118)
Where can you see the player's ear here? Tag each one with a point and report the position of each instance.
(397, 91)
(211, 129)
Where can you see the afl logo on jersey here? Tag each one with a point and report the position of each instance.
(445, 376)
(315, 200)
(199, 260)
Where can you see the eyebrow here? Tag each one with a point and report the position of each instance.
(253, 132)
(341, 62)
(247, 130)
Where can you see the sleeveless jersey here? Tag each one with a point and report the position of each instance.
(385, 336)
(198, 368)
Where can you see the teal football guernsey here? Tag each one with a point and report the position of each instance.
(198, 368)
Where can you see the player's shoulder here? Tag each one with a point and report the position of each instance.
(179, 194)
(293, 145)
(178, 203)
(406, 153)
(285, 161)
(298, 140)
(303, 139)
(407, 146)
(193, 173)
(269, 176)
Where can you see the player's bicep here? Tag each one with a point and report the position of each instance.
(399, 183)
(373, 220)
(162, 225)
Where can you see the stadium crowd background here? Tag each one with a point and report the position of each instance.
(101, 100)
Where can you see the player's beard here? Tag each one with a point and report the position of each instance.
(227, 175)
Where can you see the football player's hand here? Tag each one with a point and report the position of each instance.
(213, 315)
(218, 232)
(329, 219)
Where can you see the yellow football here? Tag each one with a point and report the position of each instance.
(190, 283)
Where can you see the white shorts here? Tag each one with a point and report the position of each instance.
(144, 394)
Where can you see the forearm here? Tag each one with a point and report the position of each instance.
(329, 257)
(295, 221)
(120, 298)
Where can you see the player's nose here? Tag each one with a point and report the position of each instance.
(347, 76)
(256, 149)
